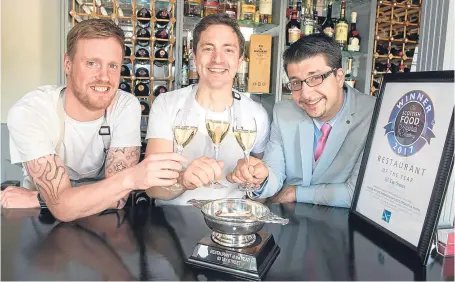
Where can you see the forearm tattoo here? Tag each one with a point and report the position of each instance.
(48, 173)
(119, 159)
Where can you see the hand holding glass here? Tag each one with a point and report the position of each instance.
(185, 128)
(245, 132)
(218, 124)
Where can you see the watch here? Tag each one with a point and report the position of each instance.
(42, 203)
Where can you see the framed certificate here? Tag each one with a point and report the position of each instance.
(407, 160)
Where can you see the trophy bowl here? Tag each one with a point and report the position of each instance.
(235, 222)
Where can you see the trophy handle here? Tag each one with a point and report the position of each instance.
(197, 203)
(273, 218)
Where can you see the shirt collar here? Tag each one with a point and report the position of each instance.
(319, 123)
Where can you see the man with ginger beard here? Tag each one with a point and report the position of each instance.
(316, 140)
(84, 134)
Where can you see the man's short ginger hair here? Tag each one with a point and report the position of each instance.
(92, 29)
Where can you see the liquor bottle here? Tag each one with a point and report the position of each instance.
(161, 54)
(242, 75)
(145, 108)
(143, 13)
(229, 7)
(299, 9)
(193, 75)
(124, 86)
(248, 10)
(159, 90)
(185, 66)
(348, 77)
(341, 33)
(127, 51)
(307, 20)
(292, 29)
(353, 35)
(144, 34)
(142, 72)
(211, 7)
(125, 71)
(142, 53)
(193, 8)
(328, 26)
(316, 26)
(265, 7)
(141, 89)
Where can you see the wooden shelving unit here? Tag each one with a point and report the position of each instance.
(396, 37)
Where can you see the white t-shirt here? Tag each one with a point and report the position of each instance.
(162, 115)
(34, 128)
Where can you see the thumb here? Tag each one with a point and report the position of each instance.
(221, 164)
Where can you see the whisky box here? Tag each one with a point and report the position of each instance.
(260, 60)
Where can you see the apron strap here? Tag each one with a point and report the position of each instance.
(61, 117)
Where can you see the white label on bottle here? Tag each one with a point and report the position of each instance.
(354, 44)
(294, 34)
(265, 7)
(328, 31)
(308, 29)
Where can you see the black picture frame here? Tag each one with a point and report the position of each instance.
(411, 255)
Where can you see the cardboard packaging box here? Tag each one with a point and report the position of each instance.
(260, 60)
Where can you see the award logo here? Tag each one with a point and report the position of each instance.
(410, 124)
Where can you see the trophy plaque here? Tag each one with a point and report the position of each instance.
(236, 246)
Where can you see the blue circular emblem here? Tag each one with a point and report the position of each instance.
(411, 123)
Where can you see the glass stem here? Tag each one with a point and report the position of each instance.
(179, 149)
(216, 147)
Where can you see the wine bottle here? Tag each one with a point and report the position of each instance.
(142, 72)
(141, 89)
(349, 77)
(292, 29)
(328, 26)
(145, 35)
(381, 50)
(124, 86)
(160, 89)
(125, 71)
(163, 14)
(161, 54)
(353, 35)
(341, 34)
(127, 51)
(143, 13)
(145, 108)
(142, 53)
(185, 65)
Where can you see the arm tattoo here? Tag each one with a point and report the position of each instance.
(49, 175)
(119, 159)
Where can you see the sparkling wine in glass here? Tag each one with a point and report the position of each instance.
(185, 128)
(245, 131)
(218, 124)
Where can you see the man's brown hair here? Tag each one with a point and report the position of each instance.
(91, 29)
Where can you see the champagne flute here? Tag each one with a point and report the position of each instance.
(218, 124)
(245, 132)
(185, 128)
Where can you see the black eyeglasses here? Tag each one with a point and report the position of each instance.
(312, 81)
